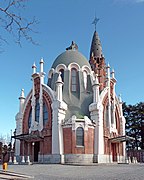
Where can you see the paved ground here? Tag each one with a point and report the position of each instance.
(73, 172)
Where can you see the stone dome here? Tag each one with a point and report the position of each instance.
(71, 56)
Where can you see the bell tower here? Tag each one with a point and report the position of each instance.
(97, 60)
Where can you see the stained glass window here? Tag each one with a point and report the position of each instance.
(45, 114)
(73, 80)
(80, 136)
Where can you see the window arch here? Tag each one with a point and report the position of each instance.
(80, 136)
(73, 80)
(37, 112)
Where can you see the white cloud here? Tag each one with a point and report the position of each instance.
(130, 1)
(139, 1)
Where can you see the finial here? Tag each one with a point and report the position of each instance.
(108, 66)
(96, 79)
(120, 99)
(41, 65)
(95, 21)
(34, 65)
(113, 73)
(41, 61)
(92, 54)
(34, 68)
(59, 79)
(22, 94)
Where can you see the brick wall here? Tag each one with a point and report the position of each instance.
(70, 146)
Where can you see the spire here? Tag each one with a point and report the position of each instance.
(21, 101)
(34, 68)
(120, 98)
(96, 48)
(41, 64)
(59, 85)
(22, 94)
(97, 60)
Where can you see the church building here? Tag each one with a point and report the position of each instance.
(76, 117)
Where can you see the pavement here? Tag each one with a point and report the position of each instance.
(13, 175)
(75, 172)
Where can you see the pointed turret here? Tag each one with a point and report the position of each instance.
(97, 60)
(59, 85)
(22, 100)
(96, 48)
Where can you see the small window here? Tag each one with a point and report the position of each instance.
(37, 109)
(73, 80)
(106, 117)
(45, 114)
(30, 118)
(85, 79)
(62, 74)
(80, 136)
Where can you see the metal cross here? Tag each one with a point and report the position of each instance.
(95, 21)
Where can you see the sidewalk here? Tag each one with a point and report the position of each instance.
(13, 175)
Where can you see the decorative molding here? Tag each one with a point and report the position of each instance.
(50, 92)
(59, 67)
(103, 93)
(87, 69)
(75, 123)
(74, 65)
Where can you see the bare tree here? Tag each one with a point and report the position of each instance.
(14, 23)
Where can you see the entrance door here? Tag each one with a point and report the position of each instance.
(36, 151)
(114, 152)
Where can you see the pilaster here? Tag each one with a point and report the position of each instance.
(113, 105)
(109, 97)
(59, 111)
(19, 118)
(96, 112)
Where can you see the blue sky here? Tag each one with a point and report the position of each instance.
(121, 30)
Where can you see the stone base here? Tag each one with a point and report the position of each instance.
(51, 159)
(102, 158)
(78, 158)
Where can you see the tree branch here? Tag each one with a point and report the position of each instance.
(14, 23)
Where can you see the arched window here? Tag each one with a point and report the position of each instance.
(73, 80)
(30, 118)
(37, 110)
(106, 116)
(45, 113)
(85, 79)
(80, 136)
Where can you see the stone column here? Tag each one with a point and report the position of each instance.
(28, 153)
(19, 118)
(59, 109)
(96, 112)
(109, 97)
(41, 94)
(23, 157)
(113, 119)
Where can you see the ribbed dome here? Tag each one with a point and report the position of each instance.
(71, 56)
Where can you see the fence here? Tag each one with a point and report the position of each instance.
(139, 154)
